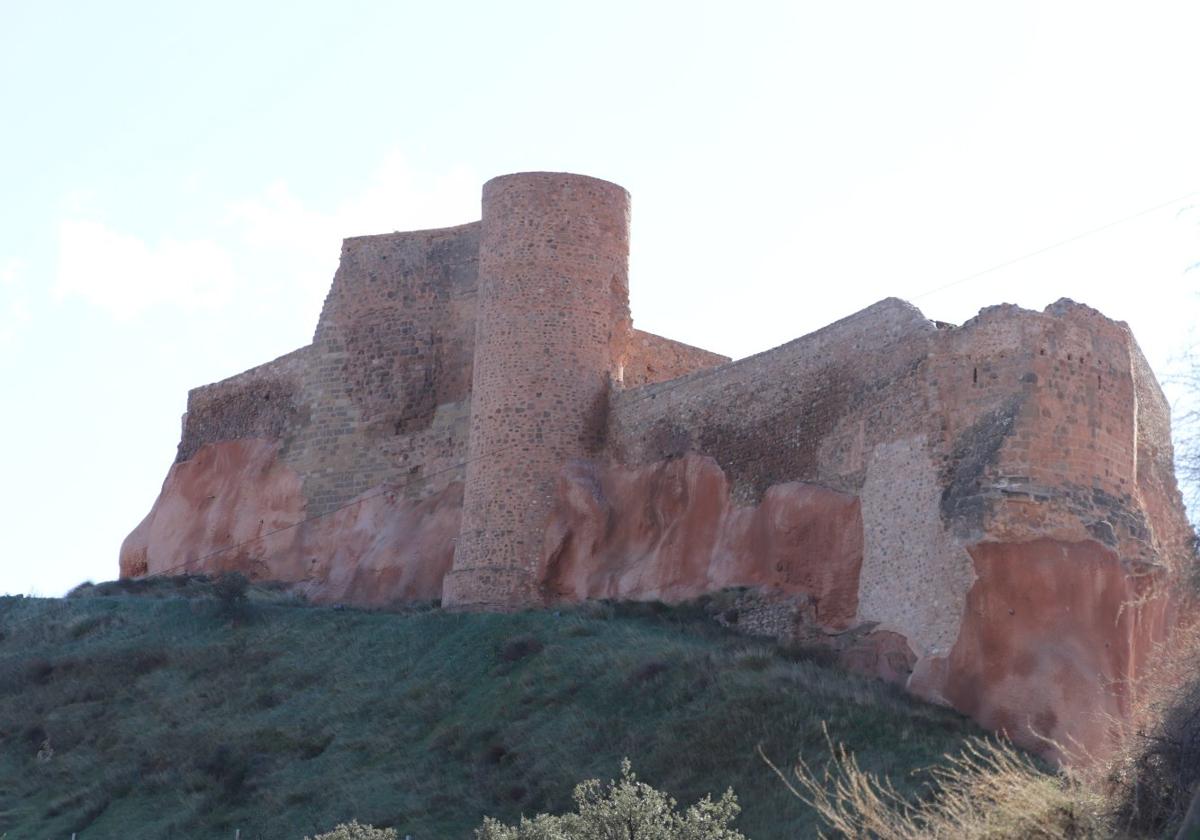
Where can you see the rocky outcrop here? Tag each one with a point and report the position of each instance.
(1049, 637)
(234, 506)
(1044, 645)
(1052, 638)
(671, 532)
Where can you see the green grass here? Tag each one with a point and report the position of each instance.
(166, 718)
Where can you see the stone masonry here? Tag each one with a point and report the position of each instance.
(984, 513)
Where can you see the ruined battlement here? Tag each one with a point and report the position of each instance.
(984, 513)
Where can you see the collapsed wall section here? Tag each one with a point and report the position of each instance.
(263, 402)
(388, 382)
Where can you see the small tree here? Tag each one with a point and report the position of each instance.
(624, 810)
(354, 830)
(1185, 421)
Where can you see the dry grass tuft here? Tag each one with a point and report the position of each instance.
(989, 790)
(1152, 779)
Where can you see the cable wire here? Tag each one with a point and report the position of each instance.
(1058, 244)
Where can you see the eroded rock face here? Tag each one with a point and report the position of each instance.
(1041, 640)
(1049, 636)
(671, 532)
(234, 506)
(226, 494)
(1052, 637)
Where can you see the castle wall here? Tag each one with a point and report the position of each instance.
(388, 383)
(551, 335)
(1043, 429)
(263, 402)
(382, 395)
(1029, 420)
(986, 513)
(805, 411)
(1016, 425)
(652, 358)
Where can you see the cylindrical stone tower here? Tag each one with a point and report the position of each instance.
(551, 331)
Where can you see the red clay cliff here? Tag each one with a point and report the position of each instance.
(986, 513)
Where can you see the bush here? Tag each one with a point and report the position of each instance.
(989, 790)
(353, 830)
(1154, 779)
(1165, 767)
(628, 809)
(230, 591)
(519, 647)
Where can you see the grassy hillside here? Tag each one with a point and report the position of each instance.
(156, 714)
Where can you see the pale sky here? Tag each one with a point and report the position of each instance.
(175, 180)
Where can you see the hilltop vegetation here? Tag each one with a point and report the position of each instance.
(158, 709)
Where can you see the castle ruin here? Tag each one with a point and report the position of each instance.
(986, 514)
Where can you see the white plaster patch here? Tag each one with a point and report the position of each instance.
(915, 577)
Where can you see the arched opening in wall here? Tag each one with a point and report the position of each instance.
(974, 376)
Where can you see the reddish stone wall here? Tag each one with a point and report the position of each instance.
(388, 382)
(806, 411)
(263, 402)
(1029, 419)
(551, 335)
(652, 358)
(402, 309)
(382, 395)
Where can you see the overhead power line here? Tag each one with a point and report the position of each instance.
(1058, 244)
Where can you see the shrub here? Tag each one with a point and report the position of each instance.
(354, 830)
(230, 591)
(627, 809)
(231, 768)
(989, 790)
(1164, 767)
(519, 647)
(1152, 781)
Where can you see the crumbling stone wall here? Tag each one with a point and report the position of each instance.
(382, 395)
(263, 402)
(652, 358)
(1030, 419)
(1015, 425)
(388, 382)
(809, 410)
